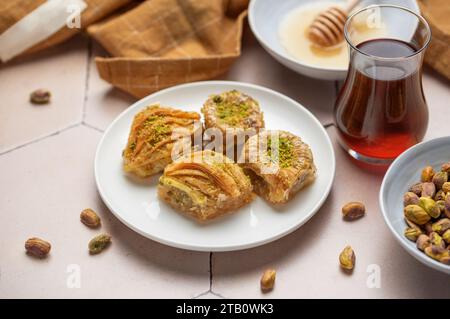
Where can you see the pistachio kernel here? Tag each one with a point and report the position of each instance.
(410, 198)
(412, 233)
(416, 189)
(427, 174)
(436, 252)
(441, 226)
(446, 236)
(446, 167)
(99, 243)
(428, 190)
(439, 179)
(440, 195)
(268, 280)
(430, 207)
(445, 188)
(416, 214)
(40, 96)
(347, 258)
(422, 242)
(436, 240)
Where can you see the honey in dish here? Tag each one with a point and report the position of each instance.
(293, 34)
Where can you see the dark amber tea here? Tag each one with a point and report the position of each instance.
(381, 110)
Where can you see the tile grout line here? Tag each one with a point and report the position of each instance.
(40, 138)
(86, 79)
(92, 127)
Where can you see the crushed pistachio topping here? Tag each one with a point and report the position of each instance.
(285, 152)
(153, 130)
(231, 110)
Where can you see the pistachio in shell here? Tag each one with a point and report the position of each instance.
(353, 210)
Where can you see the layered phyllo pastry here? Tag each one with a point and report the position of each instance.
(236, 116)
(154, 132)
(279, 165)
(232, 109)
(205, 185)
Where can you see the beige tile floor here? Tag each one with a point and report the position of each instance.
(46, 170)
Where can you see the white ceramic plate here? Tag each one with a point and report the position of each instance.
(134, 201)
(404, 172)
(265, 17)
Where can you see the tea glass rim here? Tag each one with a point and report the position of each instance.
(418, 16)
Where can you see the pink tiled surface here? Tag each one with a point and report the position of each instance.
(46, 168)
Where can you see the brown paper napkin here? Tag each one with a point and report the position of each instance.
(437, 13)
(161, 43)
(12, 11)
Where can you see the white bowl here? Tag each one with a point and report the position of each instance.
(404, 172)
(265, 17)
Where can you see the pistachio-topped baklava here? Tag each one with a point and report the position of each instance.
(205, 185)
(279, 164)
(152, 138)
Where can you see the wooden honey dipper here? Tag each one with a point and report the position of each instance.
(327, 28)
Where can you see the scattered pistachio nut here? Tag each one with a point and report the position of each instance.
(439, 179)
(99, 243)
(445, 188)
(422, 242)
(447, 206)
(430, 207)
(410, 198)
(37, 247)
(416, 214)
(441, 226)
(353, 210)
(268, 280)
(436, 252)
(428, 190)
(347, 258)
(412, 233)
(416, 189)
(40, 96)
(90, 218)
(427, 174)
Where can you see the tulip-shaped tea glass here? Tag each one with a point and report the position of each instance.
(381, 109)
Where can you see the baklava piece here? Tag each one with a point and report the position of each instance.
(234, 114)
(205, 185)
(232, 109)
(152, 138)
(278, 175)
